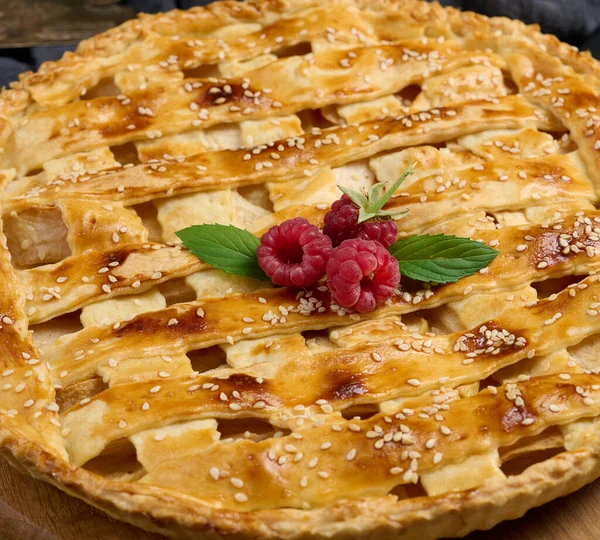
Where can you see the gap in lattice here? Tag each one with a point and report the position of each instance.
(549, 287)
(313, 118)
(257, 195)
(69, 396)
(148, 213)
(510, 85)
(531, 450)
(50, 331)
(177, 291)
(408, 491)
(360, 412)
(408, 94)
(202, 72)
(207, 359)
(118, 461)
(249, 428)
(37, 236)
(105, 87)
(300, 49)
(126, 154)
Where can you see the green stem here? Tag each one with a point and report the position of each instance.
(388, 194)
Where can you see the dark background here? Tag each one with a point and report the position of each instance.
(574, 21)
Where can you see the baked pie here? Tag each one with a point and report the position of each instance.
(200, 404)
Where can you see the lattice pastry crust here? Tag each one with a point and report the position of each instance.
(198, 404)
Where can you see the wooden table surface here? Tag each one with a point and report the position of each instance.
(33, 510)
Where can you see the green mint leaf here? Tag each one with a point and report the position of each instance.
(364, 215)
(376, 191)
(394, 214)
(441, 258)
(224, 247)
(357, 198)
(377, 200)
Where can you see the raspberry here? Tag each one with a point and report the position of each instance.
(294, 253)
(341, 223)
(385, 232)
(361, 274)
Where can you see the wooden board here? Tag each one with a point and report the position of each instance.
(28, 23)
(33, 510)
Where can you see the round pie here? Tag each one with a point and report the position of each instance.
(200, 404)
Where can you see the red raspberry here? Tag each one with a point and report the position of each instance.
(385, 232)
(294, 253)
(361, 274)
(341, 223)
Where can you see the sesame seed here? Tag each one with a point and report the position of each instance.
(430, 443)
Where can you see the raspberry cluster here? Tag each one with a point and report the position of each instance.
(361, 273)
(341, 223)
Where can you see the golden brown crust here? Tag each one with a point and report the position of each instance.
(200, 405)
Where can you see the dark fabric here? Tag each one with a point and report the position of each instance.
(154, 6)
(10, 69)
(570, 20)
(574, 21)
(592, 44)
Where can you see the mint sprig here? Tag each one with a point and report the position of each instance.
(371, 205)
(435, 259)
(225, 247)
(440, 258)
